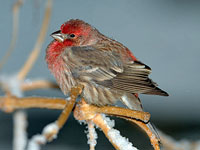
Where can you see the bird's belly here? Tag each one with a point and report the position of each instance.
(99, 95)
(66, 80)
(92, 93)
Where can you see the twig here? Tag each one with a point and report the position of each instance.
(16, 8)
(119, 142)
(92, 135)
(90, 110)
(168, 143)
(19, 135)
(50, 131)
(38, 84)
(11, 103)
(152, 137)
(40, 40)
(40, 139)
(75, 92)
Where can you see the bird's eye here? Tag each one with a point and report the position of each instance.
(72, 35)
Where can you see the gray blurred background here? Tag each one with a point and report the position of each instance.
(164, 34)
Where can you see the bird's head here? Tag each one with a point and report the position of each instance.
(71, 33)
(75, 33)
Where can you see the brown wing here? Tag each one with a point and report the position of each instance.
(107, 69)
(135, 79)
(92, 64)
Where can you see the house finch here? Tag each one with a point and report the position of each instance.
(80, 54)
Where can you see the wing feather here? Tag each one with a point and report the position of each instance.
(106, 68)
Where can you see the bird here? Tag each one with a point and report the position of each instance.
(108, 70)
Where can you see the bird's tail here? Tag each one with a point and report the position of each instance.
(133, 102)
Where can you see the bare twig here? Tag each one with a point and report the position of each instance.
(11, 103)
(19, 135)
(38, 84)
(50, 131)
(168, 143)
(40, 40)
(75, 92)
(16, 8)
(152, 137)
(90, 110)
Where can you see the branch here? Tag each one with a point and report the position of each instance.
(50, 131)
(92, 135)
(15, 29)
(168, 143)
(82, 111)
(152, 137)
(89, 111)
(19, 133)
(41, 139)
(75, 92)
(11, 103)
(38, 84)
(119, 142)
(12, 87)
(40, 40)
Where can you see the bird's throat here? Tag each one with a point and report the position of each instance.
(53, 56)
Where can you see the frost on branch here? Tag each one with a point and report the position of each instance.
(168, 143)
(122, 142)
(113, 134)
(13, 85)
(40, 139)
(91, 135)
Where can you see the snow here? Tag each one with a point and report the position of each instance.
(92, 136)
(20, 135)
(36, 141)
(13, 84)
(19, 117)
(122, 142)
(81, 122)
(40, 139)
(109, 122)
(51, 128)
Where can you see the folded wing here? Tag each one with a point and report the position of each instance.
(106, 68)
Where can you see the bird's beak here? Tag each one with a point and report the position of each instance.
(58, 36)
